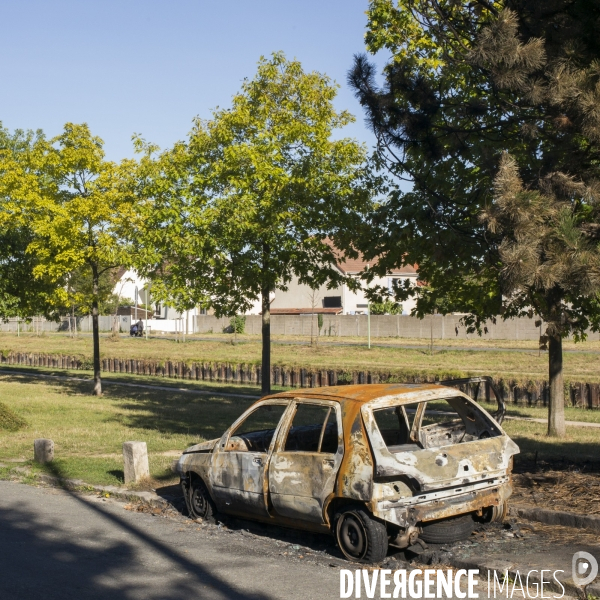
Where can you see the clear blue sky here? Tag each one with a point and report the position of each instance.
(150, 66)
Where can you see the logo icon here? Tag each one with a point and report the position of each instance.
(585, 568)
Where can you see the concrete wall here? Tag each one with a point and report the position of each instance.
(84, 324)
(400, 326)
(393, 326)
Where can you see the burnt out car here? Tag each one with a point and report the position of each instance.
(375, 465)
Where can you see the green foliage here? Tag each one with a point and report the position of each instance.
(490, 110)
(245, 204)
(78, 207)
(237, 324)
(9, 421)
(467, 82)
(80, 289)
(21, 293)
(320, 322)
(387, 307)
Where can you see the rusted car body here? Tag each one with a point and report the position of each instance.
(399, 456)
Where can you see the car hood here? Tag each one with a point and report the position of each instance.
(202, 447)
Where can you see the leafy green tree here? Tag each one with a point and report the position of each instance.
(21, 294)
(77, 206)
(386, 307)
(81, 294)
(467, 82)
(246, 203)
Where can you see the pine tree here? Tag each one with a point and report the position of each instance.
(492, 111)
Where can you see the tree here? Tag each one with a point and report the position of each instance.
(246, 203)
(80, 290)
(468, 82)
(314, 299)
(77, 205)
(386, 307)
(21, 294)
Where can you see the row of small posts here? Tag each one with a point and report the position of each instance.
(580, 394)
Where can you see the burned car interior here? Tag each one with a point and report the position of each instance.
(314, 429)
(256, 432)
(432, 424)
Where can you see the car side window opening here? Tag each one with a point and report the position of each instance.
(395, 423)
(255, 432)
(314, 429)
(436, 423)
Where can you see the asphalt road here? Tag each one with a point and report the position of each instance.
(57, 545)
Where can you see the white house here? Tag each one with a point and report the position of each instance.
(131, 286)
(301, 299)
(297, 299)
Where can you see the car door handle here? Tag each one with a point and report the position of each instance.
(257, 460)
(328, 462)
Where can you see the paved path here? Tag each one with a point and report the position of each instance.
(57, 545)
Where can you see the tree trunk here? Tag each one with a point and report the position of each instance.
(556, 405)
(96, 335)
(266, 342)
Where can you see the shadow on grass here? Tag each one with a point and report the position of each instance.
(204, 415)
(546, 454)
(118, 474)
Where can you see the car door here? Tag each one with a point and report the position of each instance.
(240, 460)
(306, 459)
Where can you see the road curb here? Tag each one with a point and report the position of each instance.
(149, 498)
(556, 517)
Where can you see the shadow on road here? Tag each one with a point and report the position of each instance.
(34, 552)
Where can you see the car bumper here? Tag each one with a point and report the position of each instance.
(406, 512)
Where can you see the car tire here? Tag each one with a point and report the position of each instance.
(359, 536)
(200, 504)
(445, 531)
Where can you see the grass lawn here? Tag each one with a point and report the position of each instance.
(464, 360)
(88, 432)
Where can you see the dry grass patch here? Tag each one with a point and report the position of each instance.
(402, 362)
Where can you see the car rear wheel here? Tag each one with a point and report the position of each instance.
(359, 536)
(200, 503)
(447, 530)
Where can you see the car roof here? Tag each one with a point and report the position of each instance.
(361, 393)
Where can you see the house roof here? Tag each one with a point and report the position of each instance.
(351, 266)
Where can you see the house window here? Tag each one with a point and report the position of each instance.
(332, 302)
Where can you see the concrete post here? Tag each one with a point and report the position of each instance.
(43, 451)
(135, 461)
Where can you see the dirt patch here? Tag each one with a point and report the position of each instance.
(571, 491)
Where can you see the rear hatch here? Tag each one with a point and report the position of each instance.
(436, 439)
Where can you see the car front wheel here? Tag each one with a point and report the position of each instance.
(200, 503)
(359, 536)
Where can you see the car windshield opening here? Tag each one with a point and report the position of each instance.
(255, 432)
